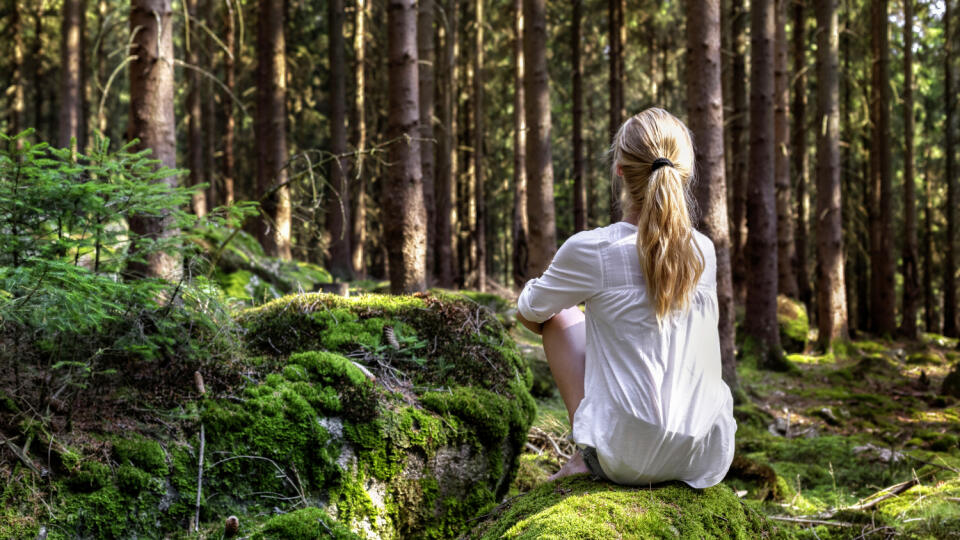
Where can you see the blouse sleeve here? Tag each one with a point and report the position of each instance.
(572, 277)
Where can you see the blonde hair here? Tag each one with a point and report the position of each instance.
(660, 199)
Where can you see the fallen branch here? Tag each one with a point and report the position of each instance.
(808, 521)
(17, 451)
(891, 491)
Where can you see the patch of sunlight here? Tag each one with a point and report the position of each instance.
(945, 415)
(870, 346)
(940, 340)
(812, 359)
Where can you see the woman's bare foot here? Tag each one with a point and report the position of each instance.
(574, 466)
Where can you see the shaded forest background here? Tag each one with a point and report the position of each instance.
(456, 143)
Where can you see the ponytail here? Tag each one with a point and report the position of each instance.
(653, 160)
(669, 257)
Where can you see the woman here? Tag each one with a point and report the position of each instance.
(640, 374)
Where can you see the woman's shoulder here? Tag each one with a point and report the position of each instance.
(705, 244)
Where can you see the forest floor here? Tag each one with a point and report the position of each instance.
(852, 445)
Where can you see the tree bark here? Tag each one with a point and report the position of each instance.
(338, 201)
(786, 278)
(705, 115)
(831, 293)
(520, 224)
(16, 111)
(152, 121)
(579, 189)
(71, 74)
(949, 270)
(480, 234)
(738, 142)
(195, 143)
(801, 165)
(404, 214)
(358, 195)
(428, 147)
(270, 131)
(539, 155)
(447, 155)
(911, 278)
(229, 80)
(882, 296)
(210, 132)
(761, 308)
(930, 322)
(615, 23)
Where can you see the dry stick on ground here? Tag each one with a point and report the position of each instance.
(808, 521)
(892, 491)
(198, 379)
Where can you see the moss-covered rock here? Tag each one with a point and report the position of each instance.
(577, 507)
(370, 417)
(794, 325)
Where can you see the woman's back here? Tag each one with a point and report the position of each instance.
(655, 406)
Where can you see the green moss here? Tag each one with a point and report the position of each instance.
(794, 326)
(91, 476)
(131, 479)
(923, 358)
(576, 507)
(143, 453)
(305, 524)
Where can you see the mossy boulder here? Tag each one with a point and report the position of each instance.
(371, 417)
(577, 507)
(794, 325)
(402, 416)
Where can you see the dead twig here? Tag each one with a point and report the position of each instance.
(808, 521)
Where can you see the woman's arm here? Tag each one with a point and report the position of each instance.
(536, 328)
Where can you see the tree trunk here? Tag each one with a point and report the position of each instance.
(615, 22)
(882, 299)
(949, 270)
(425, 51)
(480, 234)
(831, 293)
(338, 202)
(195, 146)
(761, 309)
(404, 214)
(71, 74)
(738, 142)
(152, 120)
(520, 225)
(705, 115)
(801, 165)
(16, 112)
(929, 302)
(579, 191)
(786, 278)
(210, 131)
(358, 195)
(539, 156)
(447, 155)
(229, 80)
(911, 278)
(270, 131)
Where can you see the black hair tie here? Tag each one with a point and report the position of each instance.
(660, 162)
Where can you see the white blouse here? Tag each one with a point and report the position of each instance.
(654, 407)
